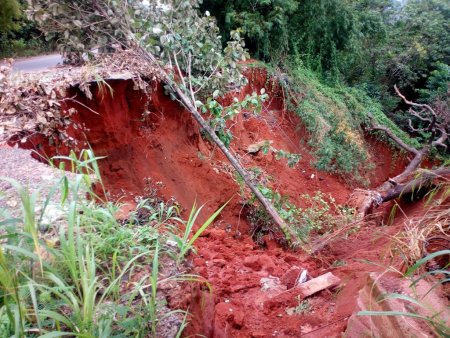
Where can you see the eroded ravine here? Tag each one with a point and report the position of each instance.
(151, 142)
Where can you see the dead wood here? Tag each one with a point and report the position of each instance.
(411, 179)
(422, 181)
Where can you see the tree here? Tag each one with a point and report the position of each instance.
(9, 12)
(315, 31)
(171, 37)
(265, 23)
(416, 40)
(435, 125)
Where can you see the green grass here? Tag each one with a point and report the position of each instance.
(82, 280)
(436, 321)
(334, 116)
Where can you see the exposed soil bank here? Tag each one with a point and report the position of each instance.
(151, 139)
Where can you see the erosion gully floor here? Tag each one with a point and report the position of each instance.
(166, 150)
(235, 265)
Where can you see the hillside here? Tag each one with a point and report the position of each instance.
(153, 149)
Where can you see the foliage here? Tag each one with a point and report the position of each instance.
(265, 23)
(437, 91)
(428, 231)
(437, 87)
(423, 27)
(303, 307)
(9, 11)
(21, 37)
(370, 44)
(314, 30)
(333, 116)
(220, 114)
(320, 215)
(79, 278)
(405, 47)
(423, 246)
(171, 33)
(185, 244)
(172, 30)
(292, 159)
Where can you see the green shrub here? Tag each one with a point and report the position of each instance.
(334, 117)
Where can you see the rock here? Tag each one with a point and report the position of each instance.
(260, 262)
(218, 234)
(237, 318)
(303, 277)
(307, 289)
(291, 276)
(172, 243)
(52, 214)
(272, 285)
(219, 262)
(256, 147)
(227, 314)
(378, 285)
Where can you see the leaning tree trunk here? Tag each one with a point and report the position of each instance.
(290, 236)
(411, 179)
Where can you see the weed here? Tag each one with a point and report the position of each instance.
(423, 245)
(81, 282)
(436, 322)
(302, 308)
(185, 243)
(338, 263)
(220, 114)
(319, 217)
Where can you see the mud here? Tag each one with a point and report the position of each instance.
(151, 142)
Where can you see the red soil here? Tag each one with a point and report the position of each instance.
(166, 146)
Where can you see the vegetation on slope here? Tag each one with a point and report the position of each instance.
(72, 268)
(317, 49)
(18, 35)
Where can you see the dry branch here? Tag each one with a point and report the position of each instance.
(422, 181)
(410, 180)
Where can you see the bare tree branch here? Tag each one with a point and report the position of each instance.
(438, 126)
(422, 181)
(392, 136)
(419, 116)
(441, 140)
(414, 104)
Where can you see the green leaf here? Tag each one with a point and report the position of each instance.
(422, 261)
(392, 313)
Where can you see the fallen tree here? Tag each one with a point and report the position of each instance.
(434, 124)
(169, 36)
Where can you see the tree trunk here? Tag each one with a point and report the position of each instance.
(291, 237)
(423, 181)
(412, 166)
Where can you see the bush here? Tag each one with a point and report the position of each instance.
(334, 116)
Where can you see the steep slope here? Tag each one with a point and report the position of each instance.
(150, 143)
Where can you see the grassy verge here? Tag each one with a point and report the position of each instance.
(85, 274)
(423, 246)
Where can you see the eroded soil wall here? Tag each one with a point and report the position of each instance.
(151, 142)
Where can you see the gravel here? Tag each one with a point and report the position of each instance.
(17, 164)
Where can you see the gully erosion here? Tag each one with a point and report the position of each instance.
(150, 141)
